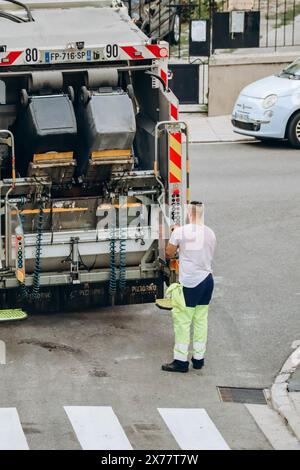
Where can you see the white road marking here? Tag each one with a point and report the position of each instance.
(193, 429)
(12, 436)
(273, 428)
(97, 428)
(2, 352)
(129, 358)
(295, 344)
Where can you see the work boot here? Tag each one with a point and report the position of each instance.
(198, 363)
(176, 366)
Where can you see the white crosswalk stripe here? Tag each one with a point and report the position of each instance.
(273, 427)
(193, 429)
(97, 428)
(12, 436)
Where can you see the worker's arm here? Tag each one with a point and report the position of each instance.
(171, 251)
(172, 246)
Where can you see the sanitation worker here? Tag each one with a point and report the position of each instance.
(195, 243)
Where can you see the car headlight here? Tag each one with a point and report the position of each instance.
(269, 101)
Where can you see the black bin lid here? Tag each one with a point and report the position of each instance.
(53, 114)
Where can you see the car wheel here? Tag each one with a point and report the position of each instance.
(293, 130)
(174, 36)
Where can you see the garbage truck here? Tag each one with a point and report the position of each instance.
(93, 157)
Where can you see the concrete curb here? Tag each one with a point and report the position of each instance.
(280, 395)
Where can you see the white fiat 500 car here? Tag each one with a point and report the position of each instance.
(270, 108)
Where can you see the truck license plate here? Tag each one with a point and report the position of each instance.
(88, 55)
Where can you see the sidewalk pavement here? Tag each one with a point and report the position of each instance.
(285, 392)
(204, 129)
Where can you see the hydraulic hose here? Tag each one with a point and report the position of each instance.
(34, 292)
(37, 269)
(122, 260)
(22, 5)
(112, 249)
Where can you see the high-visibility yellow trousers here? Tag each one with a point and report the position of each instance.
(183, 319)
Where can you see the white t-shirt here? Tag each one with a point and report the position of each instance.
(196, 245)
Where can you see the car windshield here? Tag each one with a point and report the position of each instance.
(292, 70)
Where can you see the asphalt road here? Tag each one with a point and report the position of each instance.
(112, 357)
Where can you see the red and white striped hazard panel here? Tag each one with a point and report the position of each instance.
(10, 58)
(175, 157)
(149, 51)
(175, 150)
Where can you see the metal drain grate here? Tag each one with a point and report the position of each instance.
(242, 395)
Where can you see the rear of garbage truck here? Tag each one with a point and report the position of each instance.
(93, 157)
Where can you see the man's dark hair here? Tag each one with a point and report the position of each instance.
(196, 203)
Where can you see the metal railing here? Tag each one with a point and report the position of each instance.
(279, 19)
